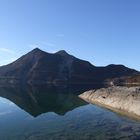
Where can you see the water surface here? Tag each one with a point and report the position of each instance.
(58, 114)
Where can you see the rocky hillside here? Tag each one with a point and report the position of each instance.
(132, 80)
(39, 67)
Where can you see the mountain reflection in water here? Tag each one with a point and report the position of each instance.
(50, 113)
(38, 100)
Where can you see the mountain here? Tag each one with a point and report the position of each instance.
(38, 67)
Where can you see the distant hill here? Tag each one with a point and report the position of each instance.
(38, 67)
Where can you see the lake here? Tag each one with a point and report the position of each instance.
(32, 113)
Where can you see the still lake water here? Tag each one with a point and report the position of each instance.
(58, 114)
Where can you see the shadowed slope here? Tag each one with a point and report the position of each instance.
(39, 67)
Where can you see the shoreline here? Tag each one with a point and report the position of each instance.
(122, 100)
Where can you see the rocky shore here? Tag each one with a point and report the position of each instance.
(123, 99)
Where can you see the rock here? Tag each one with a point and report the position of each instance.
(123, 99)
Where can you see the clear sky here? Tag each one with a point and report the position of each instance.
(100, 31)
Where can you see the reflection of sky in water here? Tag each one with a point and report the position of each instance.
(6, 107)
(87, 122)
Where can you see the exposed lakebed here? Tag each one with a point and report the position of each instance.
(59, 114)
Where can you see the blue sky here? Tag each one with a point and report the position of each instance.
(100, 31)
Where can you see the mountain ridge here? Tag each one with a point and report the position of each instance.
(40, 67)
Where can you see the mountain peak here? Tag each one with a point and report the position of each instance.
(37, 51)
(62, 52)
(115, 65)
